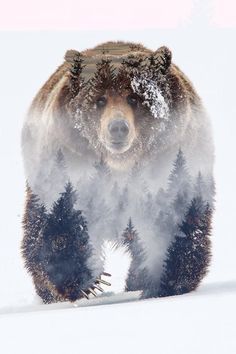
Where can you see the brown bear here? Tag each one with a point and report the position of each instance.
(133, 110)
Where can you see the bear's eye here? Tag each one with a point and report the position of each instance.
(132, 100)
(101, 102)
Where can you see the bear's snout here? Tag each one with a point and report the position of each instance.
(118, 130)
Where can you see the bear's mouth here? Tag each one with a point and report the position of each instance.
(117, 147)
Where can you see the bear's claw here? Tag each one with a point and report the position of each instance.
(84, 294)
(96, 286)
(92, 291)
(103, 282)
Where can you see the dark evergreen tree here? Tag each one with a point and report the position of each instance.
(103, 79)
(34, 220)
(179, 192)
(66, 248)
(189, 254)
(137, 275)
(75, 61)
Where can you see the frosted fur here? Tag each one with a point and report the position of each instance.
(153, 97)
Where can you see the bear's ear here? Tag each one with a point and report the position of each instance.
(75, 60)
(71, 55)
(163, 58)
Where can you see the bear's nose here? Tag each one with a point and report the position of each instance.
(118, 129)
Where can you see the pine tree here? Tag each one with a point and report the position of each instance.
(200, 186)
(75, 61)
(205, 188)
(130, 66)
(179, 190)
(66, 247)
(131, 63)
(137, 276)
(179, 179)
(103, 79)
(189, 254)
(179, 207)
(34, 220)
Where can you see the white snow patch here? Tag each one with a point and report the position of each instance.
(117, 262)
(200, 322)
(148, 88)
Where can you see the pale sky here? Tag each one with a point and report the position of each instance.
(106, 14)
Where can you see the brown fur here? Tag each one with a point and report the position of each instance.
(50, 124)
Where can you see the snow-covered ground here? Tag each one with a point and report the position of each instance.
(199, 323)
(202, 322)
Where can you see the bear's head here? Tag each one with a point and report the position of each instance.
(124, 105)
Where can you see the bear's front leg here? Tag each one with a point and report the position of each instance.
(188, 256)
(56, 249)
(59, 271)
